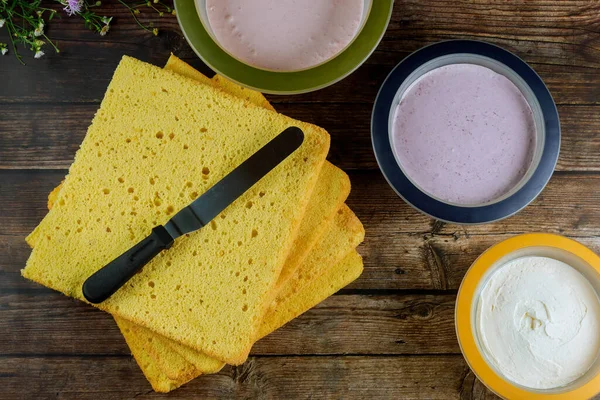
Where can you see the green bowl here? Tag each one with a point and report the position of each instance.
(285, 82)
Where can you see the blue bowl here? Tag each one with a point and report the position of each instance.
(502, 61)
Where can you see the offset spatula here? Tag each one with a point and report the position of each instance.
(106, 281)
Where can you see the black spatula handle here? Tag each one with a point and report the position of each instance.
(106, 281)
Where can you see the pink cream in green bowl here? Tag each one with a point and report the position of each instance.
(296, 47)
(283, 35)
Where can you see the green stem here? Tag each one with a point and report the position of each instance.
(28, 19)
(134, 17)
(155, 9)
(169, 9)
(25, 18)
(11, 31)
(12, 7)
(51, 43)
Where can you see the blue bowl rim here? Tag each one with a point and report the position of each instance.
(421, 200)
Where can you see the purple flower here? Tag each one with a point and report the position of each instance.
(72, 6)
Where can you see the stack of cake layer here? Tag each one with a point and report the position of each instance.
(160, 139)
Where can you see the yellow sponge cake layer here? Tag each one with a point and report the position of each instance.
(311, 292)
(244, 93)
(299, 294)
(182, 68)
(159, 380)
(177, 363)
(346, 233)
(307, 296)
(171, 362)
(146, 167)
(332, 189)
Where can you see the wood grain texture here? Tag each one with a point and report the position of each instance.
(391, 333)
(48, 135)
(37, 321)
(423, 377)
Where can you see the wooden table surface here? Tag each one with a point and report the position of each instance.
(391, 333)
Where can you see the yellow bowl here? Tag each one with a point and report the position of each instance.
(535, 244)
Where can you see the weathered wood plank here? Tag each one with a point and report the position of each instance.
(431, 262)
(423, 377)
(37, 321)
(559, 39)
(568, 205)
(569, 84)
(21, 193)
(48, 135)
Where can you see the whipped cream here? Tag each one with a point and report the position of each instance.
(539, 322)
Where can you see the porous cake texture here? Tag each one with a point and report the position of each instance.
(168, 364)
(312, 291)
(132, 173)
(345, 234)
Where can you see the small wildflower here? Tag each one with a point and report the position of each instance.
(72, 6)
(39, 31)
(155, 31)
(136, 11)
(39, 54)
(155, 1)
(38, 43)
(98, 3)
(160, 14)
(104, 30)
(4, 50)
(2, 22)
(106, 20)
(174, 12)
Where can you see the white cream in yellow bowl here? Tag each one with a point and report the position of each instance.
(528, 318)
(539, 322)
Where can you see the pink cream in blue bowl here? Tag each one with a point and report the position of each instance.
(465, 132)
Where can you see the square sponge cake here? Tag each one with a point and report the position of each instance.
(159, 141)
(179, 362)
